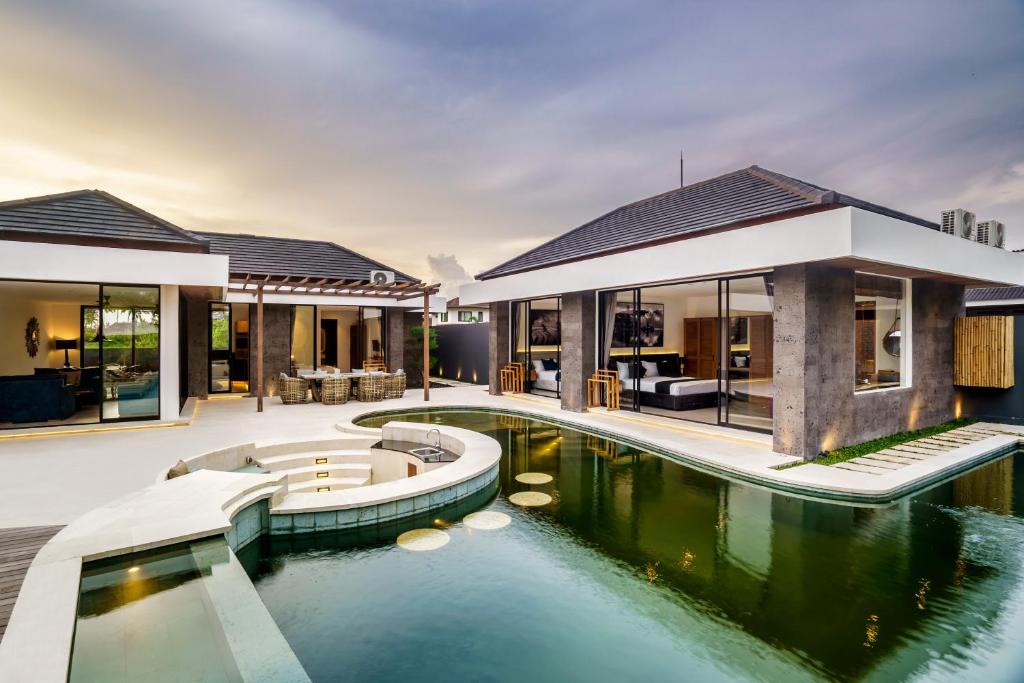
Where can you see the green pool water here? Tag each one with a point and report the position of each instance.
(644, 569)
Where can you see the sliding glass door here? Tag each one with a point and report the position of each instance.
(537, 343)
(129, 352)
(699, 351)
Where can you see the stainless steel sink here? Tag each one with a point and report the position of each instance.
(428, 453)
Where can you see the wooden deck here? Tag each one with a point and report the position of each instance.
(18, 547)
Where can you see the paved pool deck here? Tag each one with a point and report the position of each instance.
(50, 480)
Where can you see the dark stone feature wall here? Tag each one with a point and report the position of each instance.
(999, 405)
(578, 348)
(816, 408)
(497, 345)
(395, 355)
(462, 352)
(197, 334)
(277, 343)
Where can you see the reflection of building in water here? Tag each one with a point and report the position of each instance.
(779, 567)
(990, 487)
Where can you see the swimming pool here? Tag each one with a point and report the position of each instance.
(642, 568)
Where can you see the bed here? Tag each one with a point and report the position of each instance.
(670, 391)
(544, 378)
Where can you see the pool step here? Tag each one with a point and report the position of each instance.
(331, 484)
(333, 457)
(302, 474)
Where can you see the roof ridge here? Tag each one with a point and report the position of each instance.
(813, 193)
(146, 214)
(610, 212)
(25, 201)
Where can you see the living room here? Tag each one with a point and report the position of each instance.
(55, 341)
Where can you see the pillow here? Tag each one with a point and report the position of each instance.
(284, 375)
(623, 369)
(669, 367)
(650, 368)
(550, 364)
(538, 365)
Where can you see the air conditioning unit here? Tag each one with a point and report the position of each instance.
(959, 222)
(382, 277)
(992, 233)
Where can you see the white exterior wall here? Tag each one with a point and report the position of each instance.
(73, 263)
(835, 234)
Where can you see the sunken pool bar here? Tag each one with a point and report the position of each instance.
(226, 494)
(241, 492)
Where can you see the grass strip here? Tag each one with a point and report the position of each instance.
(875, 445)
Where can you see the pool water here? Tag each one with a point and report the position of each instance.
(643, 569)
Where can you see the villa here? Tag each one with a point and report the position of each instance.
(751, 300)
(459, 314)
(112, 314)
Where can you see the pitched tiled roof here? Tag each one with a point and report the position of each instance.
(749, 195)
(256, 255)
(992, 294)
(91, 217)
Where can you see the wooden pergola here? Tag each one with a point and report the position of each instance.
(249, 283)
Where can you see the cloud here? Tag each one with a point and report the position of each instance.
(446, 269)
(486, 128)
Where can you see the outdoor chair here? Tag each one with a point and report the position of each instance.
(335, 390)
(293, 389)
(371, 387)
(394, 385)
(374, 366)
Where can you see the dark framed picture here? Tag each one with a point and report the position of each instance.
(650, 325)
(544, 328)
(739, 330)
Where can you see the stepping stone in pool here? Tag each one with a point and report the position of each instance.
(486, 520)
(419, 540)
(530, 498)
(534, 478)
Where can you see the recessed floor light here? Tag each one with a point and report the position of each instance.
(419, 540)
(533, 478)
(530, 498)
(487, 519)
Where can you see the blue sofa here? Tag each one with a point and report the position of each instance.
(35, 398)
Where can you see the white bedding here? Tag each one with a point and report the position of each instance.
(695, 386)
(546, 380)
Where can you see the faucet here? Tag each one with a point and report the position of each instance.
(438, 443)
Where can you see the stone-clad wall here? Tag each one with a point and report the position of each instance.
(395, 353)
(815, 406)
(197, 322)
(277, 342)
(497, 345)
(578, 347)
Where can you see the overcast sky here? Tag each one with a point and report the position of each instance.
(445, 137)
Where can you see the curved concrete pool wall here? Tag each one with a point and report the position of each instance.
(207, 502)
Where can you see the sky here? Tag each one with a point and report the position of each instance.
(444, 137)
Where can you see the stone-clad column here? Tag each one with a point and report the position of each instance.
(395, 353)
(814, 359)
(497, 345)
(578, 348)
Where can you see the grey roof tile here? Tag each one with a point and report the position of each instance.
(89, 215)
(258, 255)
(986, 294)
(748, 195)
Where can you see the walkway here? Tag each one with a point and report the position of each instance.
(897, 457)
(18, 547)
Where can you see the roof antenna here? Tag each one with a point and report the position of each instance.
(682, 182)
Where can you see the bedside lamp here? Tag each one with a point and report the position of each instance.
(66, 345)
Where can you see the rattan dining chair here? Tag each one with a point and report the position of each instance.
(293, 390)
(371, 387)
(394, 385)
(335, 390)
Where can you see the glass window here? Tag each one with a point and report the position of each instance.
(468, 316)
(220, 347)
(373, 334)
(879, 346)
(130, 352)
(303, 340)
(537, 343)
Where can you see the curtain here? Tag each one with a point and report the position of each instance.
(607, 309)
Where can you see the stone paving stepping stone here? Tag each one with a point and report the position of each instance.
(859, 468)
(870, 462)
(952, 439)
(899, 452)
(937, 444)
(422, 540)
(915, 450)
(887, 457)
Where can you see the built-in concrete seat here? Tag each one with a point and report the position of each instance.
(331, 483)
(301, 459)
